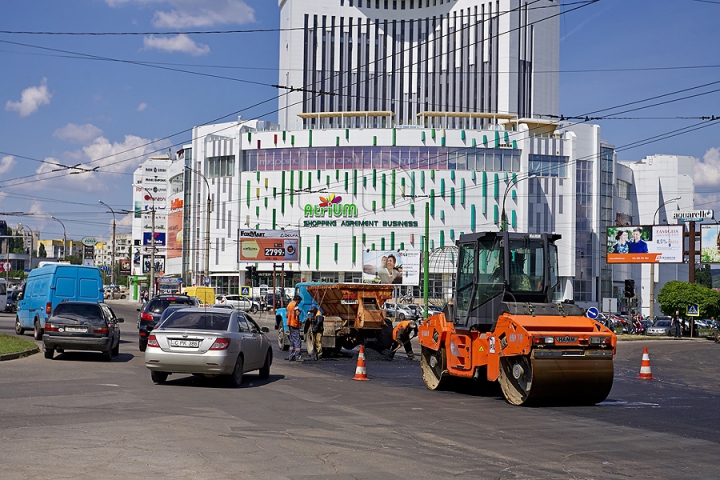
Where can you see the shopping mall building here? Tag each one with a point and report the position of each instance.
(389, 139)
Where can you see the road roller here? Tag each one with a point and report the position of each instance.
(503, 326)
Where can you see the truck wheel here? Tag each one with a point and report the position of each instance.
(18, 329)
(309, 339)
(37, 331)
(432, 365)
(281, 340)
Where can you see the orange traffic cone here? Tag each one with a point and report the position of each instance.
(645, 373)
(360, 372)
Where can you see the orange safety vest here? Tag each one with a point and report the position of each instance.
(292, 316)
(396, 330)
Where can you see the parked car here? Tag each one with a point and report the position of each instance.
(151, 312)
(397, 311)
(660, 327)
(114, 293)
(208, 341)
(82, 326)
(238, 303)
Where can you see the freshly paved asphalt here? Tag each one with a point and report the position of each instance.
(79, 417)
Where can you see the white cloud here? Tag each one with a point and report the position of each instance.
(31, 99)
(179, 43)
(6, 164)
(707, 170)
(109, 157)
(195, 13)
(78, 133)
(141, 107)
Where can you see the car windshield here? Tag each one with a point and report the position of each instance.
(198, 320)
(90, 313)
(662, 323)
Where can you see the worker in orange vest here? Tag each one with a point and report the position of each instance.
(402, 334)
(293, 322)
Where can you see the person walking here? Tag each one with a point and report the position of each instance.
(402, 335)
(316, 332)
(675, 322)
(293, 322)
(714, 324)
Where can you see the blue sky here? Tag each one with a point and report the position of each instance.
(74, 99)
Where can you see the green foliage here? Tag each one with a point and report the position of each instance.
(13, 344)
(41, 251)
(74, 259)
(676, 295)
(703, 276)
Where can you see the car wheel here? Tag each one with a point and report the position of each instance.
(37, 331)
(142, 345)
(122, 297)
(49, 352)
(158, 377)
(253, 309)
(116, 350)
(107, 355)
(265, 370)
(401, 317)
(237, 375)
(18, 329)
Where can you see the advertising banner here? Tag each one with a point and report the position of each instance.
(392, 267)
(175, 234)
(710, 243)
(269, 246)
(159, 238)
(124, 266)
(645, 244)
(159, 264)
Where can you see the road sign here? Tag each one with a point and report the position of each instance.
(592, 312)
(245, 291)
(693, 310)
(693, 215)
(7, 267)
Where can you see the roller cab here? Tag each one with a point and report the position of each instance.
(502, 326)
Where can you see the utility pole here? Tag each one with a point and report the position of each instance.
(112, 261)
(64, 237)
(152, 242)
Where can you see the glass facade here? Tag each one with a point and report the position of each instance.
(607, 162)
(220, 166)
(584, 267)
(547, 165)
(411, 158)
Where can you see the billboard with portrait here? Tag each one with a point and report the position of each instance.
(392, 267)
(645, 244)
(710, 243)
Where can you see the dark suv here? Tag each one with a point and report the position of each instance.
(151, 312)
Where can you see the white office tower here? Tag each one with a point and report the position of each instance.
(413, 56)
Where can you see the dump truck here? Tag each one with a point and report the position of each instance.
(353, 315)
(502, 325)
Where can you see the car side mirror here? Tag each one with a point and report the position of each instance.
(264, 329)
(138, 309)
(119, 320)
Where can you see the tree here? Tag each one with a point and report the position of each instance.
(41, 251)
(703, 276)
(74, 259)
(677, 295)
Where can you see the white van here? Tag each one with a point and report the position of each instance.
(3, 294)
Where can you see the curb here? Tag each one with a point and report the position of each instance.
(14, 356)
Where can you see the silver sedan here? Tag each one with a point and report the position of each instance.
(208, 341)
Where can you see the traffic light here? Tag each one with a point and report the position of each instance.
(250, 273)
(629, 288)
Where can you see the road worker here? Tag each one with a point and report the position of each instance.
(402, 333)
(293, 322)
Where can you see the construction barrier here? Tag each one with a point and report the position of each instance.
(645, 373)
(360, 371)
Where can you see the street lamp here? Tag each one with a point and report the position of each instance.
(152, 241)
(207, 224)
(64, 236)
(652, 265)
(112, 262)
(512, 183)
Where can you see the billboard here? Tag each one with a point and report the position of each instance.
(124, 268)
(159, 238)
(269, 246)
(645, 244)
(175, 233)
(710, 243)
(159, 264)
(392, 267)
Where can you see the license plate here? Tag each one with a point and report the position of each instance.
(76, 329)
(185, 343)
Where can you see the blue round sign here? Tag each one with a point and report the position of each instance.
(592, 312)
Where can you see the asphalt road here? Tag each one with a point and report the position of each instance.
(79, 417)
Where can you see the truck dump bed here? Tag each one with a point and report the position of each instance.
(357, 304)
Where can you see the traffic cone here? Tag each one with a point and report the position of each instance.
(360, 372)
(645, 373)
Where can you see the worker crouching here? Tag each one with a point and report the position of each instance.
(402, 333)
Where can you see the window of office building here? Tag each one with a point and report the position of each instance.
(216, 167)
(547, 165)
